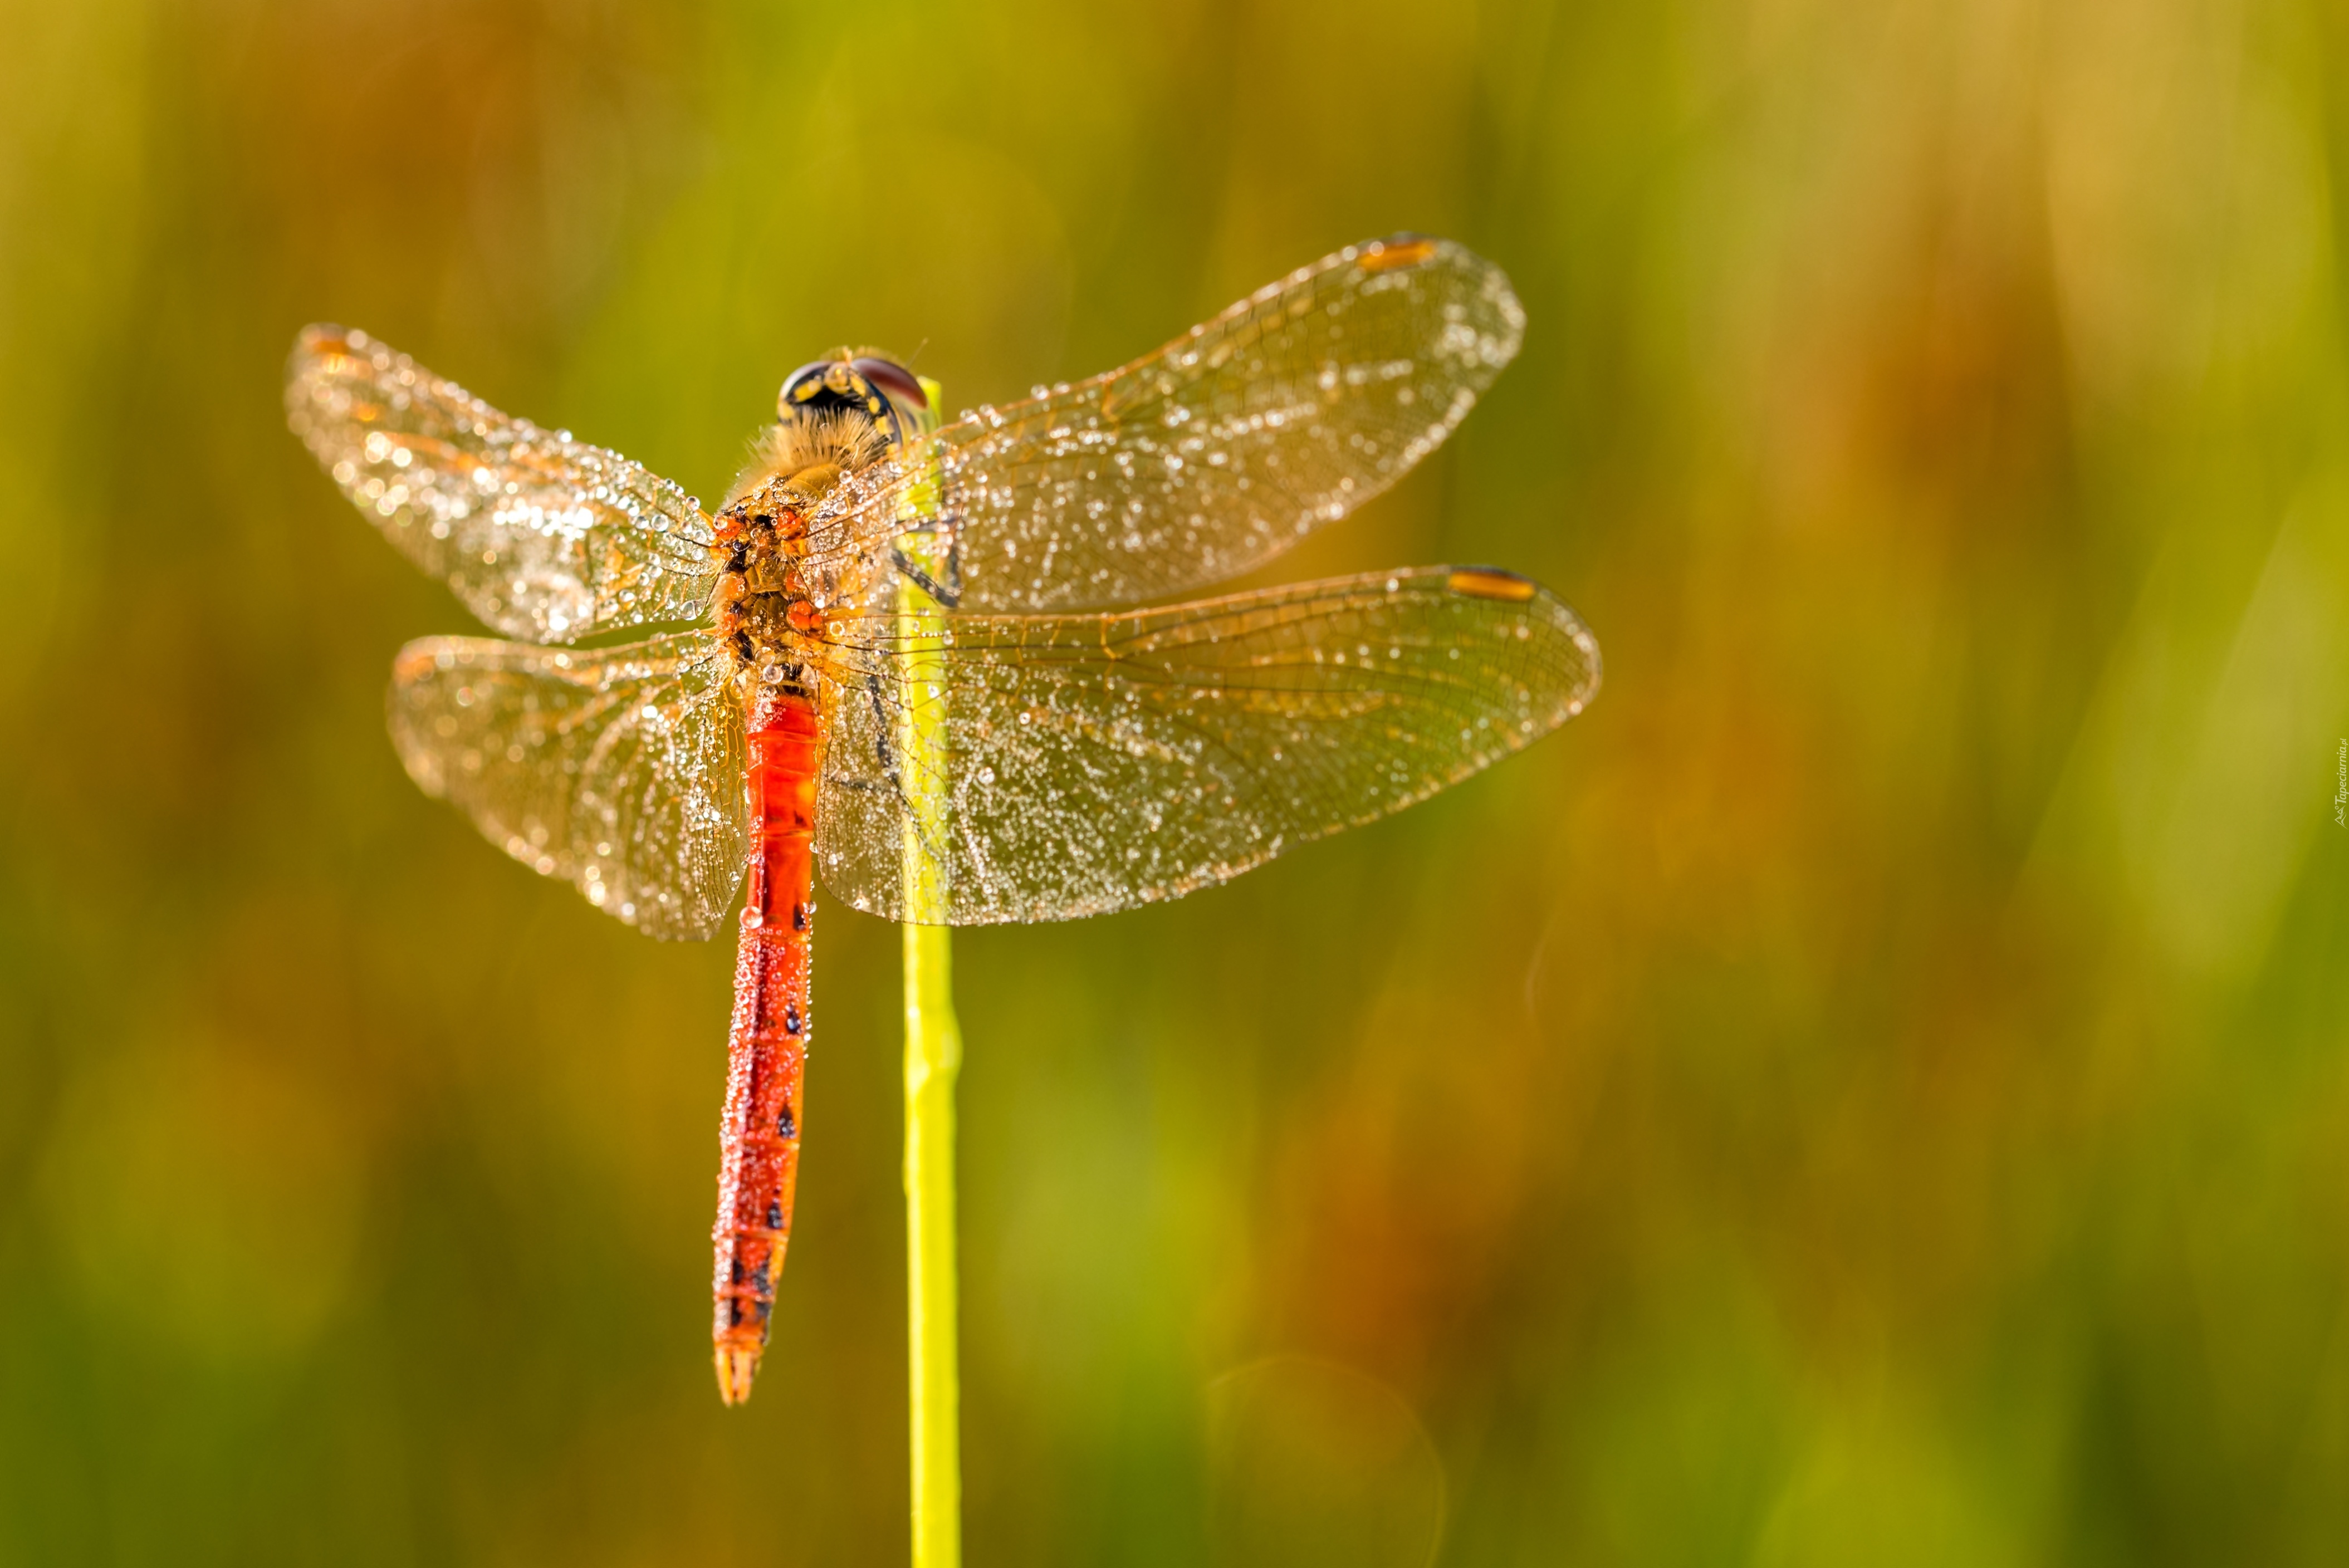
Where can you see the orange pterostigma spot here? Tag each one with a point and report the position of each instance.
(1485, 582)
(1392, 255)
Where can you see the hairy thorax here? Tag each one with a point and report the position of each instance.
(769, 598)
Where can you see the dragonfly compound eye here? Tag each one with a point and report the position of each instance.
(896, 382)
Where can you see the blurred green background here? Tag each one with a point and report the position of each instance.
(1871, 1091)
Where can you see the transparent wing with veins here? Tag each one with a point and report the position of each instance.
(617, 770)
(544, 537)
(1209, 457)
(1084, 764)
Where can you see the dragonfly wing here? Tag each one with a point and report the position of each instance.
(1211, 455)
(542, 536)
(618, 769)
(1083, 764)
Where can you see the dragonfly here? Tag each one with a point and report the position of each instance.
(919, 660)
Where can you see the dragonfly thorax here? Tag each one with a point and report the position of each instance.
(764, 603)
(767, 601)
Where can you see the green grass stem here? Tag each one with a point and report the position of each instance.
(933, 1058)
(932, 1055)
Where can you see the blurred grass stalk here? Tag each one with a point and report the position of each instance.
(933, 1058)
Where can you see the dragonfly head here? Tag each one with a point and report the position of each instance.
(834, 416)
(858, 383)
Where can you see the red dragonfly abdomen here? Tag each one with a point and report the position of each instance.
(767, 1047)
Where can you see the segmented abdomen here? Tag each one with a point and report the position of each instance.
(767, 1047)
